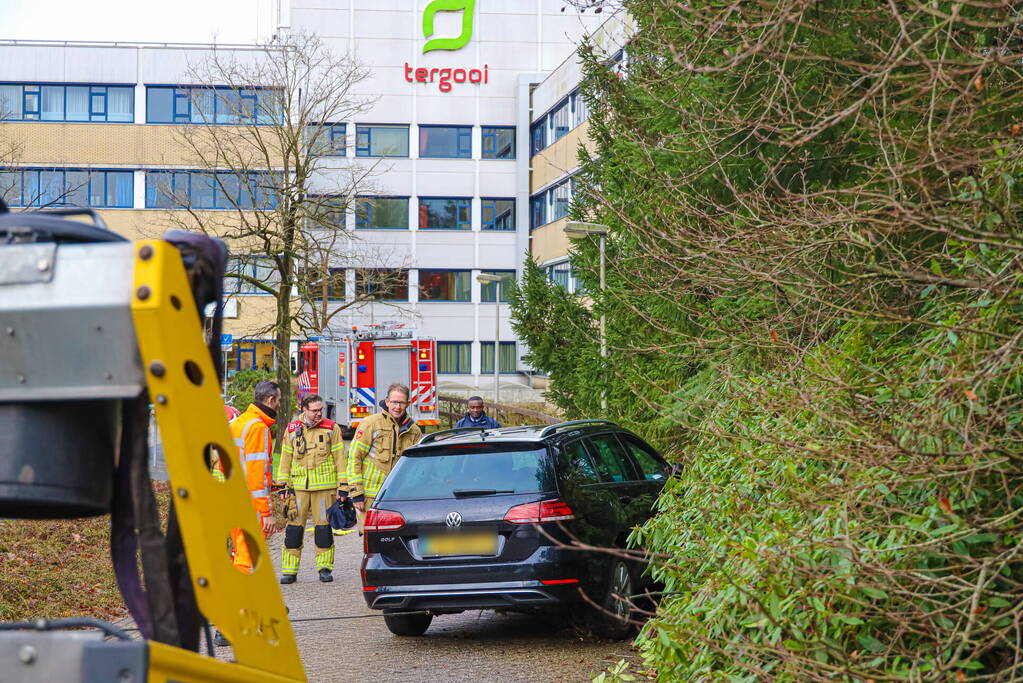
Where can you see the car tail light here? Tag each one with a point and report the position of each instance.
(554, 582)
(555, 510)
(383, 520)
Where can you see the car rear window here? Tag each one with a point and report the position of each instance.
(503, 469)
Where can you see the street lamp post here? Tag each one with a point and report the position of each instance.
(485, 278)
(578, 229)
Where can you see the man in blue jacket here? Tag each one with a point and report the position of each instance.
(476, 417)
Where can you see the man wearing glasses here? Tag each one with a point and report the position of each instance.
(379, 442)
(313, 469)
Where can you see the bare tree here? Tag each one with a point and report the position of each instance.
(275, 158)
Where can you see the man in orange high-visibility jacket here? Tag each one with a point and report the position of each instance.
(252, 436)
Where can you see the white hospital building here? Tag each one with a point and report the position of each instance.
(474, 130)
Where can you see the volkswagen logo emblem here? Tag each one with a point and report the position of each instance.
(454, 519)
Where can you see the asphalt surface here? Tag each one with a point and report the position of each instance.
(472, 646)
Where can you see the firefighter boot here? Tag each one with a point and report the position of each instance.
(324, 552)
(291, 554)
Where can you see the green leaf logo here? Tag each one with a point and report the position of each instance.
(467, 7)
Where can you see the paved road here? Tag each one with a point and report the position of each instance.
(472, 646)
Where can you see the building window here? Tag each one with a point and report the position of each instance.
(498, 214)
(454, 358)
(488, 290)
(560, 197)
(538, 136)
(445, 142)
(551, 204)
(508, 360)
(381, 213)
(201, 190)
(445, 285)
(381, 141)
(327, 139)
(562, 275)
(332, 287)
(559, 121)
(498, 142)
(211, 105)
(381, 284)
(445, 213)
(68, 187)
(255, 270)
(538, 211)
(580, 112)
(75, 103)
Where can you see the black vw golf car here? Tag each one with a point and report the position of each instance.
(480, 519)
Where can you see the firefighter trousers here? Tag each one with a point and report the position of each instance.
(305, 505)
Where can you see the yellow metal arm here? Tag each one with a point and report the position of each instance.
(182, 382)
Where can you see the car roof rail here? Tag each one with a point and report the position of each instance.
(449, 432)
(551, 429)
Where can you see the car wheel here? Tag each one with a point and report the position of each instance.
(414, 624)
(614, 612)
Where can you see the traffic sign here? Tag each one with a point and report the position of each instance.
(226, 340)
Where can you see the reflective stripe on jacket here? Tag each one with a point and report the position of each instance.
(378, 443)
(251, 433)
(312, 458)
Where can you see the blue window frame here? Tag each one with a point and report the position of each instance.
(246, 356)
(381, 141)
(489, 290)
(68, 103)
(497, 213)
(445, 285)
(498, 142)
(559, 121)
(30, 102)
(508, 360)
(445, 142)
(563, 274)
(338, 139)
(314, 283)
(211, 105)
(551, 204)
(259, 268)
(38, 187)
(538, 211)
(445, 213)
(538, 136)
(331, 139)
(381, 213)
(381, 284)
(202, 190)
(454, 358)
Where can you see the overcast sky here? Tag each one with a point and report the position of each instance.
(182, 21)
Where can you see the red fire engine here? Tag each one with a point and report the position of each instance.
(352, 371)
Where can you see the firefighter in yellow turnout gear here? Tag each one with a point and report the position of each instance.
(313, 467)
(378, 443)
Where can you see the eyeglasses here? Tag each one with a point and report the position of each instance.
(397, 403)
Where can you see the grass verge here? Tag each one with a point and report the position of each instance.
(61, 568)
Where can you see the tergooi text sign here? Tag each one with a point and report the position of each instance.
(445, 77)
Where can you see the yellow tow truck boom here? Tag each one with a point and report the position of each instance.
(46, 304)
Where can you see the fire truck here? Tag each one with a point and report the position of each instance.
(352, 371)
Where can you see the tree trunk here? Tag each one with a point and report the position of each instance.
(282, 348)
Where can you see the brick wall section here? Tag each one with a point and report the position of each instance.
(108, 145)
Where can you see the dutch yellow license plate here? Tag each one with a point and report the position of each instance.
(468, 543)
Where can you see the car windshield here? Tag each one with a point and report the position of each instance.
(479, 470)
